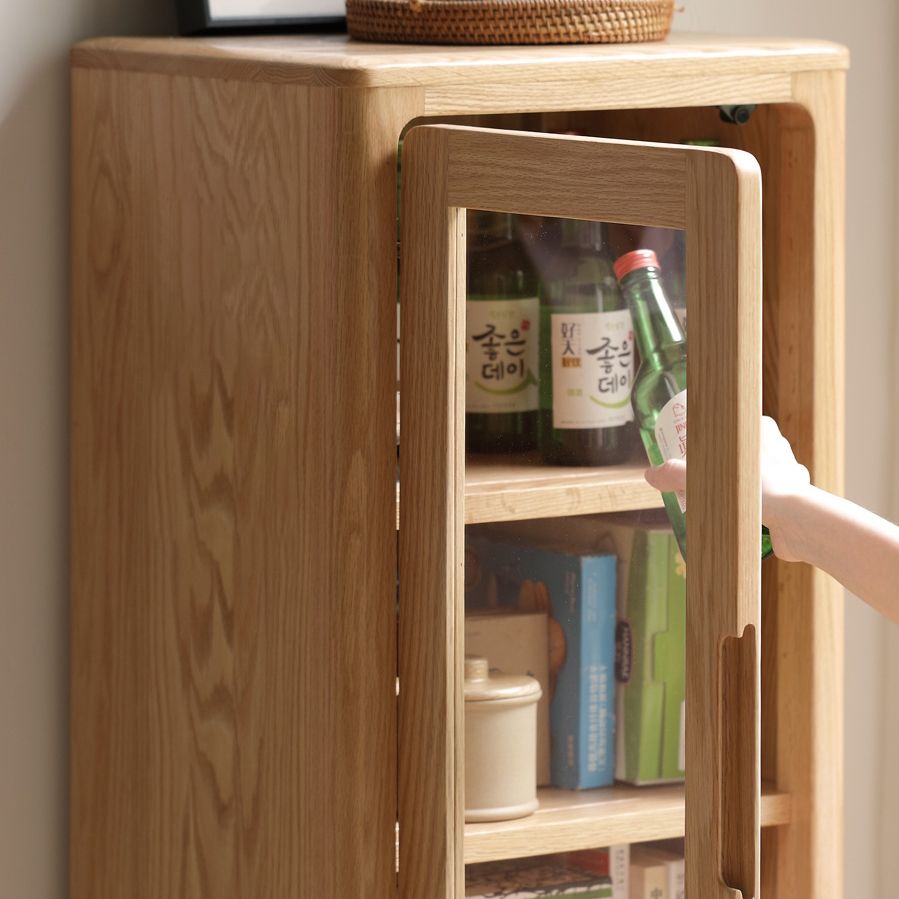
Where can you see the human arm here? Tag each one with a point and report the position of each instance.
(853, 545)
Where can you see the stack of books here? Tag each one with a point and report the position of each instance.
(595, 609)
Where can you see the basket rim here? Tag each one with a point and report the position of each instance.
(503, 22)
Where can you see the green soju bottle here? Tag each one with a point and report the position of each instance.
(586, 355)
(501, 340)
(660, 388)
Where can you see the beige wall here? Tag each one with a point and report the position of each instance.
(33, 313)
(870, 28)
(35, 37)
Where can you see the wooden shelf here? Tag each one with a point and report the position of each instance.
(569, 820)
(511, 488)
(514, 488)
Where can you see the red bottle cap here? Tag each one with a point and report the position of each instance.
(630, 262)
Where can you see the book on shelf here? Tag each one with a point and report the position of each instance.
(649, 875)
(651, 650)
(620, 870)
(651, 630)
(542, 876)
(671, 852)
(612, 862)
(577, 591)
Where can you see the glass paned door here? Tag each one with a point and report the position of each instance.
(499, 229)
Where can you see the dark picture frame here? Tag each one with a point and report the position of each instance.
(199, 17)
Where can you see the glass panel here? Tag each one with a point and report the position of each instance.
(575, 360)
(557, 374)
(617, 872)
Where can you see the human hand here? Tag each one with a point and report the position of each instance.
(783, 481)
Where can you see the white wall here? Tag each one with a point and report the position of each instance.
(870, 29)
(35, 37)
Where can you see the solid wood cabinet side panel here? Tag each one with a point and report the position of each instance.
(800, 148)
(107, 707)
(358, 290)
(823, 95)
(227, 456)
(810, 605)
(782, 138)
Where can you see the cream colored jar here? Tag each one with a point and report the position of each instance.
(500, 743)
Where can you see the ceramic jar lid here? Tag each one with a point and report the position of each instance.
(482, 684)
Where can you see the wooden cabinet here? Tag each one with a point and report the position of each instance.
(236, 637)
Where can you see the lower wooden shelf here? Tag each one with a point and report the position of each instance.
(568, 820)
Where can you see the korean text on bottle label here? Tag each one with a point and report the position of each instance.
(593, 369)
(501, 353)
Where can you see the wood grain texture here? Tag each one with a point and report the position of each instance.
(568, 89)
(724, 283)
(568, 820)
(802, 652)
(717, 195)
(552, 174)
(331, 60)
(221, 647)
(233, 544)
(431, 797)
(513, 488)
(685, 70)
(800, 148)
(508, 489)
(808, 371)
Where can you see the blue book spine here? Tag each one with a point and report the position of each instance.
(561, 573)
(597, 700)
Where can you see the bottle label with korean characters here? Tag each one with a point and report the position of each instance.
(671, 434)
(501, 355)
(593, 369)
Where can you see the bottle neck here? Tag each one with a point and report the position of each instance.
(498, 267)
(656, 327)
(582, 235)
(489, 229)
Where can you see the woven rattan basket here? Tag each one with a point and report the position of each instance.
(509, 21)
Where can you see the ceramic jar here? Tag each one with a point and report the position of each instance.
(500, 743)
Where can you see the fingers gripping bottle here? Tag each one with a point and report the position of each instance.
(659, 393)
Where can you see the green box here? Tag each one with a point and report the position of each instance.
(651, 651)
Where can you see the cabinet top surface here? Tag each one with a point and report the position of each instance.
(336, 60)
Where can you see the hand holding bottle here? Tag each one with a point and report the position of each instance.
(783, 479)
(853, 545)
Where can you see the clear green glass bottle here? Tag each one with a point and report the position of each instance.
(660, 388)
(586, 355)
(501, 339)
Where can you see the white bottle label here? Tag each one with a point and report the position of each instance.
(593, 369)
(501, 353)
(671, 434)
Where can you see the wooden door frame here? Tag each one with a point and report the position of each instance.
(715, 194)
